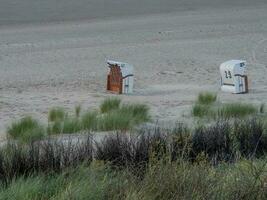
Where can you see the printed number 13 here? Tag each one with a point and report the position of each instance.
(228, 74)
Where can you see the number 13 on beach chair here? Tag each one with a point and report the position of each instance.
(233, 77)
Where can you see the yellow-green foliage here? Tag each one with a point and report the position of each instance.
(26, 130)
(206, 98)
(205, 106)
(110, 104)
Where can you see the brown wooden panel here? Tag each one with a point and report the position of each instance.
(115, 79)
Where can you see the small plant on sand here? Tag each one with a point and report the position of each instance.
(232, 110)
(203, 105)
(262, 108)
(56, 114)
(206, 98)
(89, 120)
(201, 110)
(124, 118)
(26, 130)
(71, 125)
(78, 110)
(110, 104)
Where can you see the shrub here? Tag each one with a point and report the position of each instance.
(131, 151)
(181, 142)
(249, 137)
(206, 98)
(27, 129)
(56, 114)
(116, 149)
(110, 104)
(214, 141)
(43, 157)
(236, 110)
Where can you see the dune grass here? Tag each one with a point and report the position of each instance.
(221, 161)
(124, 118)
(199, 110)
(89, 120)
(26, 130)
(206, 98)
(205, 107)
(162, 180)
(112, 115)
(56, 114)
(110, 104)
(232, 110)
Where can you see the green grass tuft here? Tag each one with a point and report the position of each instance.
(110, 104)
(56, 114)
(201, 110)
(26, 130)
(89, 121)
(236, 110)
(124, 118)
(71, 125)
(78, 110)
(206, 98)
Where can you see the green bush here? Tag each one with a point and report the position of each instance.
(110, 104)
(26, 130)
(206, 98)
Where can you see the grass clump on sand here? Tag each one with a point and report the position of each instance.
(204, 104)
(205, 107)
(56, 114)
(89, 120)
(26, 130)
(232, 110)
(112, 115)
(110, 104)
(123, 118)
(201, 110)
(206, 98)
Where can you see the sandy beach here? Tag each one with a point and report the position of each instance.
(54, 54)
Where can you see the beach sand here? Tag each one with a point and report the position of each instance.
(58, 57)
